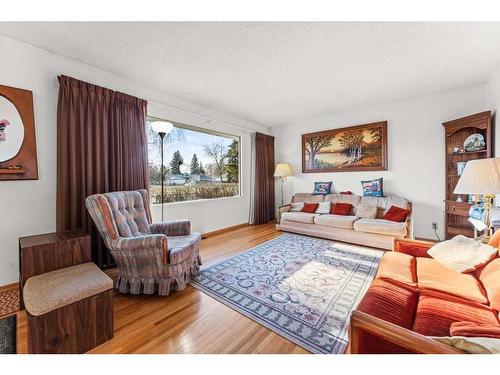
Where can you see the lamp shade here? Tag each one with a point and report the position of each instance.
(162, 127)
(480, 176)
(282, 170)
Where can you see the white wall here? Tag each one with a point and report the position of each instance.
(29, 207)
(415, 148)
(493, 86)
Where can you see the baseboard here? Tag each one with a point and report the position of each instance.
(6, 287)
(223, 230)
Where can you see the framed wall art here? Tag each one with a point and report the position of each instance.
(17, 135)
(354, 148)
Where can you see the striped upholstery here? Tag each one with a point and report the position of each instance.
(151, 258)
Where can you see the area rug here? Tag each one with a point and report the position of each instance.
(9, 301)
(302, 288)
(8, 335)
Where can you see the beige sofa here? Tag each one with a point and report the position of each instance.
(376, 232)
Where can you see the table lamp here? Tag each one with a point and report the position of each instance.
(282, 171)
(481, 177)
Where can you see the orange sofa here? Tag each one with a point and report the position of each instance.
(413, 297)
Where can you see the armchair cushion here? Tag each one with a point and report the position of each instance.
(435, 315)
(172, 228)
(432, 275)
(469, 329)
(180, 247)
(129, 213)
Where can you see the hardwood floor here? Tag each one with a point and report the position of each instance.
(189, 321)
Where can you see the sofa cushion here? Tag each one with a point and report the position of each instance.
(435, 315)
(390, 302)
(398, 267)
(300, 217)
(432, 275)
(308, 198)
(469, 329)
(365, 211)
(381, 226)
(323, 208)
(384, 203)
(336, 221)
(489, 276)
(462, 254)
(342, 198)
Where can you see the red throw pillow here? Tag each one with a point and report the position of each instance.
(396, 214)
(346, 192)
(341, 209)
(310, 208)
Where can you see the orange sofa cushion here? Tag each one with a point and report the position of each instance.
(398, 267)
(468, 329)
(432, 275)
(390, 302)
(489, 276)
(435, 315)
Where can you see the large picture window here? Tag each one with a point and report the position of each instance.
(198, 164)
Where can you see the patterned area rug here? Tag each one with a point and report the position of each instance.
(9, 301)
(300, 287)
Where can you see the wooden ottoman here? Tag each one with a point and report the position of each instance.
(70, 310)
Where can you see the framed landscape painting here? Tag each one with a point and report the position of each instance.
(355, 148)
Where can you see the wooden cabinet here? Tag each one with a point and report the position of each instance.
(51, 251)
(456, 132)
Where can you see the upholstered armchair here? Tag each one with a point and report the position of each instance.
(151, 258)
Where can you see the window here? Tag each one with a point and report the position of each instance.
(198, 164)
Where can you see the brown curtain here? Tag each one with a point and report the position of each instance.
(101, 147)
(264, 205)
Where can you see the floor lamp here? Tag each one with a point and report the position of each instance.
(482, 177)
(162, 128)
(282, 171)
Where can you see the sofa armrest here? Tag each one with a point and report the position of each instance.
(282, 210)
(394, 334)
(415, 248)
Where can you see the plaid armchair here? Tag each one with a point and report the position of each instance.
(151, 258)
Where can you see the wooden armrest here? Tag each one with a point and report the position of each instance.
(422, 243)
(394, 334)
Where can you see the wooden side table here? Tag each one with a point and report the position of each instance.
(51, 251)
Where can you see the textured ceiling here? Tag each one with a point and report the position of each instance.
(279, 73)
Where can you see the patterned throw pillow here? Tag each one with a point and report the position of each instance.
(322, 188)
(373, 188)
